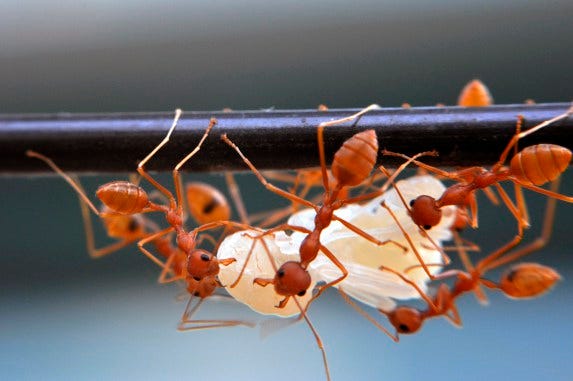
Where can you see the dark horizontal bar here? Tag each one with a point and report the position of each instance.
(272, 139)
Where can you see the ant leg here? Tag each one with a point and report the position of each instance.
(540, 241)
(316, 336)
(490, 195)
(263, 181)
(437, 171)
(148, 177)
(66, 177)
(236, 197)
(465, 259)
(176, 173)
(485, 263)
(186, 324)
(523, 134)
(367, 236)
(338, 264)
(515, 211)
(366, 315)
(423, 295)
(150, 238)
(389, 181)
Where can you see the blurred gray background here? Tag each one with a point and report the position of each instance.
(64, 316)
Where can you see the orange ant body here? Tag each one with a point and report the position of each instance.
(352, 164)
(125, 198)
(475, 94)
(520, 281)
(530, 168)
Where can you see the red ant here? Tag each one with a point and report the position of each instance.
(520, 281)
(530, 168)
(475, 94)
(352, 164)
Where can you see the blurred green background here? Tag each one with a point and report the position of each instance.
(64, 316)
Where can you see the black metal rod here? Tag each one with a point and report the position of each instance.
(272, 139)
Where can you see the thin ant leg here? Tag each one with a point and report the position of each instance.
(316, 336)
(191, 309)
(176, 173)
(66, 177)
(540, 241)
(150, 238)
(465, 259)
(437, 171)
(148, 177)
(391, 178)
(424, 296)
(490, 194)
(338, 264)
(523, 134)
(263, 181)
(409, 239)
(366, 315)
(367, 236)
(515, 211)
(236, 197)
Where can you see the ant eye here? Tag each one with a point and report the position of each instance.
(280, 273)
(427, 227)
(404, 328)
(412, 202)
(197, 278)
(205, 257)
(302, 293)
(196, 293)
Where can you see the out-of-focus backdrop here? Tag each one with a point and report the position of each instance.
(64, 316)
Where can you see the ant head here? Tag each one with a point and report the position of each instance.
(292, 279)
(201, 263)
(202, 288)
(406, 319)
(425, 212)
(528, 280)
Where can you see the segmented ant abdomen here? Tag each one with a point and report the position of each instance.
(540, 163)
(354, 161)
(206, 203)
(123, 226)
(123, 197)
(528, 280)
(406, 320)
(201, 263)
(475, 94)
(425, 212)
(292, 279)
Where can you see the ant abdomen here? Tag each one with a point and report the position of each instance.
(528, 280)
(540, 163)
(123, 197)
(354, 161)
(475, 94)
(206, 203)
